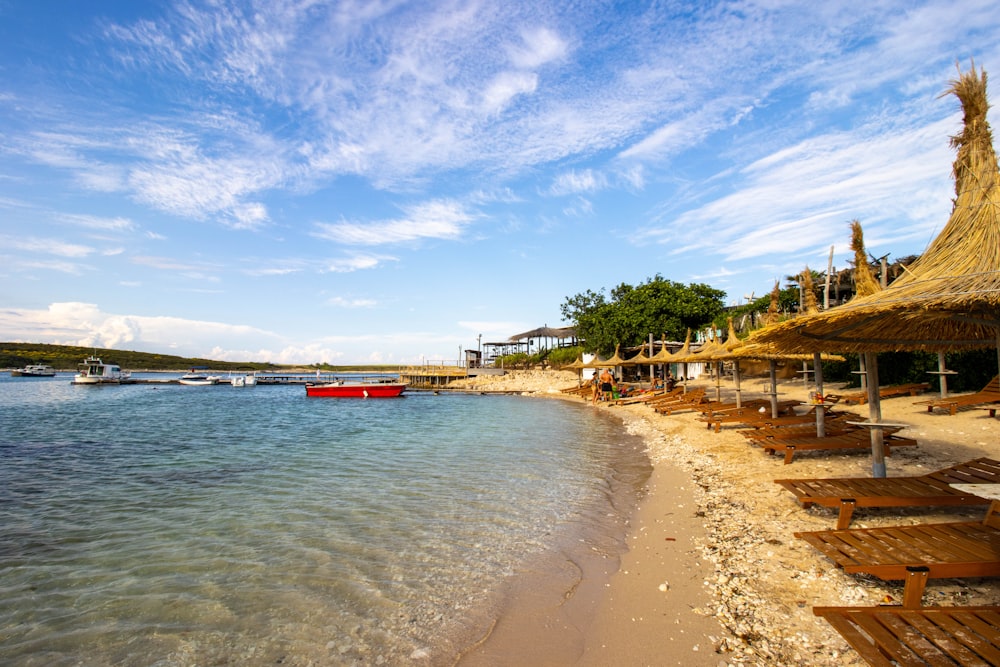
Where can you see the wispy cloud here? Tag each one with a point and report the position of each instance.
(574, 182)
(439, 219)
(342, 302)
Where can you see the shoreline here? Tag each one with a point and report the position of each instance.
(734, 586)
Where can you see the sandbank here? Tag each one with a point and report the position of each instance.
(713, 574)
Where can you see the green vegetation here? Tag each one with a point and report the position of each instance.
(68, 357)
(557, 357)
(657, 306)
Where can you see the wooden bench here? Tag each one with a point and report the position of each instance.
(988, 394)
(850, 439)
(930, 490)
(887, 636)
(915, 554)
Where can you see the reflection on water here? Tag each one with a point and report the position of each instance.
(179, 525)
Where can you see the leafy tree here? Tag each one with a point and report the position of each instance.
(631, 313)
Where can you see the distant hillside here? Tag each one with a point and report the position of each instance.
(68, 357)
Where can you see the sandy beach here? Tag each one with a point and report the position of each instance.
(713, 574)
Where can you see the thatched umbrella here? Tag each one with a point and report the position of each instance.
(948, 298)
(577, 366)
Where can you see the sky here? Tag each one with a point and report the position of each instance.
(385, 182)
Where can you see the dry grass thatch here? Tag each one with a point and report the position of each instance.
(864, 281)
(949, 297)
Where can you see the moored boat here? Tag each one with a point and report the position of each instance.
(34, 371)
(197, 379)
(247, 380)
(95, 371)
(359, 389)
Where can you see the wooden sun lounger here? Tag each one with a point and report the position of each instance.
(988, 394)
(677, 394)
(930, 490)
(917, 553)
(852, 439)
(648, 396)
(757, 425)
(691, 403)
(888, 391)
(887, 636)
(761, 436)
(750, 415)
(680, 402)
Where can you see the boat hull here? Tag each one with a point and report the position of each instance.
(356, 390)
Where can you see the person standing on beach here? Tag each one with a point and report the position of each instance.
(595, 382)
(607, 385)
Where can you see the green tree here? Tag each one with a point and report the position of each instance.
(630, 313)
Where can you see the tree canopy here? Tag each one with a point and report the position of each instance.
(629, 314)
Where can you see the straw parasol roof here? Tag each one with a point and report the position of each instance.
(610, 362)
(949, 297)
(864, 281)
(639, 359)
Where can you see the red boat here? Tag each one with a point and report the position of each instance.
(341, 389)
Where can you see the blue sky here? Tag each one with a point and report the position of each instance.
(303, 181)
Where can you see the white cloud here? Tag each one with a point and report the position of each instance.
(45, 246)
(540, 46)
(439, 219)
(341, 302)
(574, 182)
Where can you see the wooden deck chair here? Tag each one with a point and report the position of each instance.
(755, 426)
(988, 394)
(666, 406)
(915, 554)
(690, 401)
(750, 416)
(852, 439)
(761, 436)
(930, 490)
(648, 396)
(888, 391)
(887, 636)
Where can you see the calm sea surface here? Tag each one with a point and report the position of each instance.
(172, 525)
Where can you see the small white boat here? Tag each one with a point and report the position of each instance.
(34, 371)
(248, 380)
(95, 371)
(195, 379)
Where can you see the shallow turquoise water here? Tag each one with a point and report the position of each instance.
(172, 525)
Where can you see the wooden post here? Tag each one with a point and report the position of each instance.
(820, 410)
(943, 374)
(773, 370)
(875, 415)
(651, 369)
(826, 289)
(736, 380)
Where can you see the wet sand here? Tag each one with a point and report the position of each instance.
(713, 574)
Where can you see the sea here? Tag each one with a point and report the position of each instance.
(161, 524)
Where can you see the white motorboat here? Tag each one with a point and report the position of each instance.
(95, 371)
(34, 371)
(247, 380)
(196, 379)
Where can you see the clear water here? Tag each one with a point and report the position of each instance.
(173, 525)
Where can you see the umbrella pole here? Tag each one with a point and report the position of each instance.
(773, 370)
(875, 415)
(861, 371)
(736, 379)
(820, 410)
(943, 375)
(718, 381)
